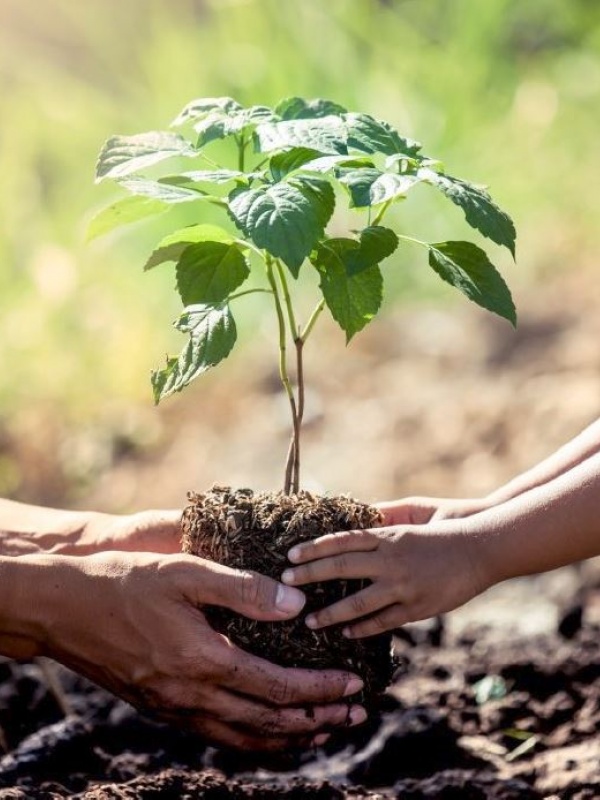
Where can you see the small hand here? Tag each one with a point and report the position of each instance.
(421, 510)
(415, 573)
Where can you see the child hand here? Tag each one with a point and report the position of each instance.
(416, 572)
(420, 510)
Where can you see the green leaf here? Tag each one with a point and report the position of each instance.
(480, 210)
(207, 272)
(375, 136)
(129, 209)
(327, 163)
(299, 108)
(281, 164)
(219, 125)
(197, 109)
(308, 160)
(216, 175)
(376, 244)
(371, 187)
(286, 219)
(352, 299)
(162, 190)
(172, 246)
(122, 155)
(467, 267)
(212, 334)
(325, 135)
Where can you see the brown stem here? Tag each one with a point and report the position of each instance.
(283, 373)
(300, 410)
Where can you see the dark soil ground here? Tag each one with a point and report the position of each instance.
(478, 716)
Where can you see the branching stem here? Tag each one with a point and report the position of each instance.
(312, 320)
(285, 379)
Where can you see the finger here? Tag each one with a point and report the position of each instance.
(332, 544)
(285, 686)
(244, 591)
(258, 718)
(343, 565)
(227, 735)
(408, 511)
(354, 606)
(385, 620)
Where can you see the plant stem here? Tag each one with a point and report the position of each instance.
(298, 342)
(414, 241)
(241, 152)
(249, 291)
(283, 374)
(288, 300)
(379, 216)
(311, 322)
(300, 413)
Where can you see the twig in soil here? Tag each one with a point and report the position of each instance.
(54, 685)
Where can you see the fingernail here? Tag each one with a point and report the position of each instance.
(294, 554)
(353, 686)
(357, 715)
(321, 739)
(311, 621)
(289, 601)
(288, 576)
(347, 633)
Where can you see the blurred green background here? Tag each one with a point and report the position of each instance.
(505, 92)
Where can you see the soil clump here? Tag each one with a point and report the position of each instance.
(255, 532)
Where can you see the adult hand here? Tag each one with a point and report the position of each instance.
(133, 623)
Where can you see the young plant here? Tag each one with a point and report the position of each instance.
(289, 167)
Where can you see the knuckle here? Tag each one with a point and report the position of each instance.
(358, 603)
(247, 588)
(254, 590)
(279, 692)
(340, 564)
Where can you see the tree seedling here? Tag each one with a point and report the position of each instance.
(290, 167)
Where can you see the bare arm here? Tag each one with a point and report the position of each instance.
(26, 529)
(419, 510)
(421, 570)
(582, 447)
(551, 525)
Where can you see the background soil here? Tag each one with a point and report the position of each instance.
(430, 401)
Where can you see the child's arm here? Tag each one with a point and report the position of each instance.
(419, 571)
(419, 510)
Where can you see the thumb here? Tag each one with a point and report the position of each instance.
(249, 593)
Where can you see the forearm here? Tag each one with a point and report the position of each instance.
(22, 606)
(543, 529)
(582, 447)
(27, 529)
